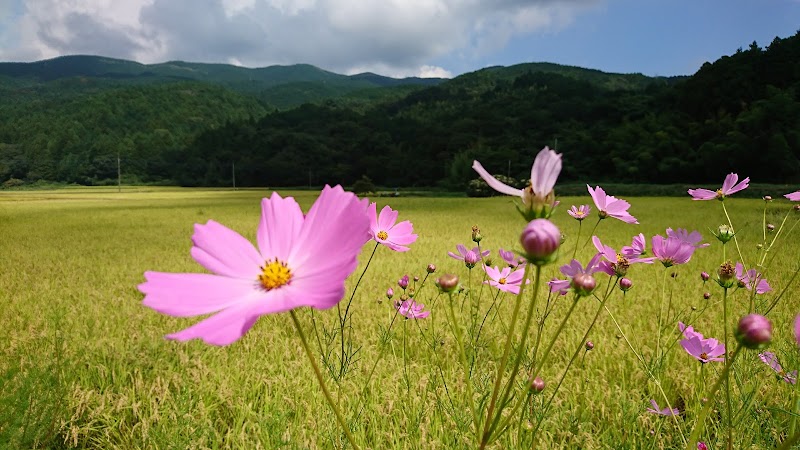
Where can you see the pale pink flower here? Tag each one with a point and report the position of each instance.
(771, 360)
(616, 263)
(637, 247)
(384, 229)
(794, 196)
(411, 309)
(729, 186)
(504, 279)
(692, 238)
(671, 250)
(608, 205)
(688, 331)
(470, 257)
(662, 411)
(510, 258)
(703, 349)
(579, 212)
(300, 261)
(574, 270)
(752, 278)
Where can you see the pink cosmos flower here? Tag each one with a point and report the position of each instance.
(538, 197)
(573, 269)
(580, 212)
(771, 360)
(300, 261)
(671, 250)
(729, 186)
(411, 309)
(504, 279)
(794, 196)
(662, 411)
(510, 258)
(470, 257)
(616, 263)
(608, 205)
(752, 278)
(688, 331)
(384, 229)
(637, 247)
(692, 238)
(703, 349)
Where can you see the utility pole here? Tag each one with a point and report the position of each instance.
(119, 175)
(233, 174)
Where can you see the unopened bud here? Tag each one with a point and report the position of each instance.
(431, 268)
(389, 293)
(448, 282)
(589, 345)
(583, 284)
(540, 239)
(416, 278)
(724, 233)
(403, 282)
(726, 275)
(767, 198)
(537, 385)
(470, 259)
(625, 284)
(770, 227)
(476, 234)
(754, 331)
(704, 276)
(707, 295)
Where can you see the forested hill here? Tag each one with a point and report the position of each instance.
(740, 113)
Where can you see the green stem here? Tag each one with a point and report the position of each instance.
(692, 445)
(343, 361)
(592, 232)
(735, 241)
(577, 239)
(321, 381)
(375, 364)
(657, 356)
(540, 364)
(462, 352)
(729, 418)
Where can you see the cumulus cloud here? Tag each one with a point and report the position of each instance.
(392, 37)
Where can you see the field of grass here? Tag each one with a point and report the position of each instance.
(84, 365)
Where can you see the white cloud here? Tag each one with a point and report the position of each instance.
(433, 72)
(392, 37)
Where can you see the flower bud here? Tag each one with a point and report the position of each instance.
(540, 240)
(759, 246)
(537, 385)
(707, 295)
(476, 234)
(448, 282)
(416, 278)
(403, 282)
(389, 293)
(702, 446)
(724, 233)
(625, 284)
(704, 276)
(488, 261)
(797, 207)
(470, 259)
(583, 284)
(726, 275)
(767, 198)
(589, 345)
(770, 227)
(431, 268)
(754, 331)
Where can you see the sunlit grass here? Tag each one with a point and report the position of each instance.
(84, 365)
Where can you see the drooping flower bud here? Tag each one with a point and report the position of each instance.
(389, 293)
(704, 276)
(589, 345)
(625, 284)
(476, 234)
(726, 275)
(403, 282)
(583, 284)
(754, 331)
(724, 233)
(448, 282)
(431, 268)
(537, 385)
(540, 240)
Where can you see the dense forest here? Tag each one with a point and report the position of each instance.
(740, 113)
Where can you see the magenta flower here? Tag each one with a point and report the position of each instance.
(771, 360)
(470, 257)
(703, 349)
(504, 279)
(403, 282)
(510, 258)
(384, 229)
(729, 186)
(411, 309)
(538, 197)
(616, 263)
(579, 212)
(300, 261)
(662, 411)
(671, 250)
(637, 247)
(574, 270)
(608, 205)
(794, 196)
(752, 278)
(692, 238)
(688, 331)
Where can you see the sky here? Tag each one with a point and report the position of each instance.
(399, 38)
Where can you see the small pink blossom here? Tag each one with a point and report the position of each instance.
(771, 360)
(411, 309)
(384, 229)
(579, 212)
(752, 278)
(662, 411)
(688, 331)
(504, 279)
(616, 263)
(692, 238)
(703, 349)
(510, 258)
(608, 205)
(470, 257)
(574, 269)
(637, 247)
(671, 250)
(794, 196)
(729, 186)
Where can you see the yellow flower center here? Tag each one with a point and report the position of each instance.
(382, 235)
(502, 281)
(720, 195)
(274, 274)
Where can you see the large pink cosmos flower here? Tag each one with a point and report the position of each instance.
(384, 229)
(608, 205)
(671, 250)
(538, 197)
(692, 238)
(662, 411)
(752, 278)
(411, 309)
(771, 360)
(504, 279)
(794, 196)
(729, 186)
(703, 349)
(300, 261)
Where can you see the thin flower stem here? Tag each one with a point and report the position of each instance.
(343, 318)
(405, 364)
(729, 418)
(462, 352)
(735, 241)
(698, 428)
(660, 314)
(504, 360)
(592, 232)
(321, 381)
(577, 239)
(540, 364)
(374, 365)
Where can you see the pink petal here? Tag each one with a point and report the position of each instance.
(225, 252)
(545, 171)
(372, 211)
(387, 218)
(794, 196)
(192, 294)
(281, 222)
(493, 273)
(598, 196)
(223, 328)
(730, 180)
(702, 194)
(494, 183)
(739, 187)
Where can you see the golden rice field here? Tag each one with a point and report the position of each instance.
(84, 365)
